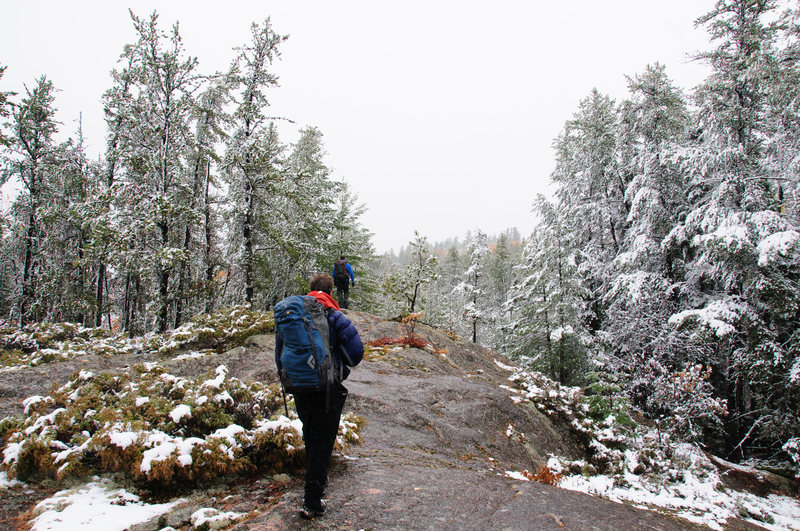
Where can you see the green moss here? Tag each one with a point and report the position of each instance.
(35, 461)
(10, 358)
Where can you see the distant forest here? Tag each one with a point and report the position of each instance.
(664, 274)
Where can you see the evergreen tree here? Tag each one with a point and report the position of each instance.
(549, 328)
(407, 284)
(157, 195)
(197, 277)
(350, 238)
(591, 190)
(32, 165)
(253, 152)
(728, 237)
(5, 113)
(473, 288)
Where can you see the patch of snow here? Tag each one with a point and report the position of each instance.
(214, 519)
(33, 400)
(559, 333)
(95, 506)
(696, 498)
(281, 424)
(142, 400)
(516, 475)
(217, 382)
(6, 483)
(190, 355)
(123, 439)
(177, 447)
(229, 433)
(718, 316)
(794, 373)
(180, 411)
(224, 398)
(503, 366)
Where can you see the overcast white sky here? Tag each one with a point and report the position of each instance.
(439, 114)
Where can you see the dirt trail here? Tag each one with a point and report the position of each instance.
(434, 450)
(434, 453)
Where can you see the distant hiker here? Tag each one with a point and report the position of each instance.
(343, 277)
(315, 376)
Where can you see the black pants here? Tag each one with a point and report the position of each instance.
(320, 427)
(343, 294)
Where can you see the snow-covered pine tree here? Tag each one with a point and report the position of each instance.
(31, 164)
(197, 289)
(641, 348)
(548, 305)
(155, 197)
(591, 191)
(108, 242)
(349, 237)
(477, 308)
(5, 113)
(68, 240)
(406, 284)
(253, 157)
(445, 309)
(501, 272)
(308, 210)
(736, 242)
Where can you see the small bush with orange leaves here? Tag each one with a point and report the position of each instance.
(544, 475)
(409, 339)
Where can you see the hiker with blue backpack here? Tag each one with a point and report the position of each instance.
(315, 346)
(343, 278)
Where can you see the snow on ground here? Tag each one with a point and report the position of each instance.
(694, 500)
(679, 480)
(95, 506)
(6, 483)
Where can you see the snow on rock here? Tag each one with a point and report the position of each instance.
(693, 494)
(213, 519)
(516, 475)
(504, 366)
(6, 483)
(95, 506)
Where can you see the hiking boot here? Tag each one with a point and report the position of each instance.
(311, 510)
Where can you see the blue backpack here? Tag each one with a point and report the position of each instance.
(305, 359)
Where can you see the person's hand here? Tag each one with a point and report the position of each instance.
(353, 283)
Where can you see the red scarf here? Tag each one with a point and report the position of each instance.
(325, 299)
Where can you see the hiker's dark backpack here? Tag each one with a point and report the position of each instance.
(340, 275)
(305, 359)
